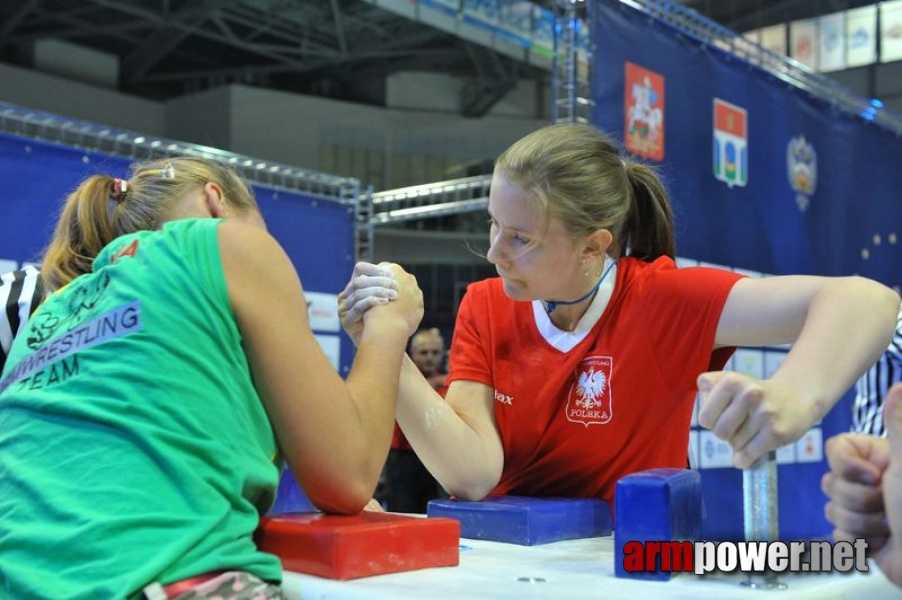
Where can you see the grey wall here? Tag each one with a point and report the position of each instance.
(202, 118)
(50, 93)
(385, 147)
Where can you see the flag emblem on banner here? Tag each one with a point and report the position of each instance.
(731, 162)
(801, 167)
(643, 112)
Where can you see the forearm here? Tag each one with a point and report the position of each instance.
(372, 385)
(848, 326)
(341, 441)
(463, 453)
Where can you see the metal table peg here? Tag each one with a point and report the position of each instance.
(761, 515)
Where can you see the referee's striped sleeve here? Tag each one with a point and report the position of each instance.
(20, 294)
(871, 388)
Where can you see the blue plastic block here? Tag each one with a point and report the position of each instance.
(290, 498)
(526, 521)
(657, 505)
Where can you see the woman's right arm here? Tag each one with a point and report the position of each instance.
(333, 433)
(455, 437)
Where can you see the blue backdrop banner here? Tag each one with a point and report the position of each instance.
(763, 175)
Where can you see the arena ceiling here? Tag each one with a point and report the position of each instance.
(341, 49)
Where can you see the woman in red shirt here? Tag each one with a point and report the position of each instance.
(580, 362)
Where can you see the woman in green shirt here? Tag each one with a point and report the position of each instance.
(143, 404)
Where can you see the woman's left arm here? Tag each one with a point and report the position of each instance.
(838, 327)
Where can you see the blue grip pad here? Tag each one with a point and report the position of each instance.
(524, 520)
(657, 505)
(290, 498)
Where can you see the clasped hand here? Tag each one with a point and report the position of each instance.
(371, 286)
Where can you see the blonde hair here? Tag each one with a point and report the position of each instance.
(576, 174)
(103, 208)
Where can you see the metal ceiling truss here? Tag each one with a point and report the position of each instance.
(182, 41)
(572, 62)
(91, 137)
(495, 77)
(431, 200)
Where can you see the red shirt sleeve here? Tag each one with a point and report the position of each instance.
(470, 357)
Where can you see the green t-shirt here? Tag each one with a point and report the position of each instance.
(133, 445)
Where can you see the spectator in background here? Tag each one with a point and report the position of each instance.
(872, 387)
(427, 349)
(410, 485)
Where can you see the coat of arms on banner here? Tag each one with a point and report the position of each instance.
(589, 400)
(643, 112)
(801, 167)
(731, 158)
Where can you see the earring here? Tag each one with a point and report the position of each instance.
(585, 268)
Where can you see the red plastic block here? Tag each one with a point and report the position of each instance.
(371, 543)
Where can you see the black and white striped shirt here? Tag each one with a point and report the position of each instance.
(20, 294)
(867, 416)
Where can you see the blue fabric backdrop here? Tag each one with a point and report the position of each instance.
(760, 225)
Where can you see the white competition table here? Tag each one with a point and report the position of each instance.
(572, 569)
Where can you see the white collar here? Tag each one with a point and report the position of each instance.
(566, 340)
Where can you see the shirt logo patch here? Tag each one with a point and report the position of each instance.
(121, 321)
(589, 400)
(503, 398)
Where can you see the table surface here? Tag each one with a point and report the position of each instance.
(572, 569)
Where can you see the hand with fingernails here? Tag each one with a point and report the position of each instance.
(755, 416)
(370, 285)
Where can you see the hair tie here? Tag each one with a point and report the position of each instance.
(120, 188)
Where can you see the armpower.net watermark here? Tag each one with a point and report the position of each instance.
(702, 557)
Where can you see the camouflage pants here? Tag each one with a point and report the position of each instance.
(231, 585)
